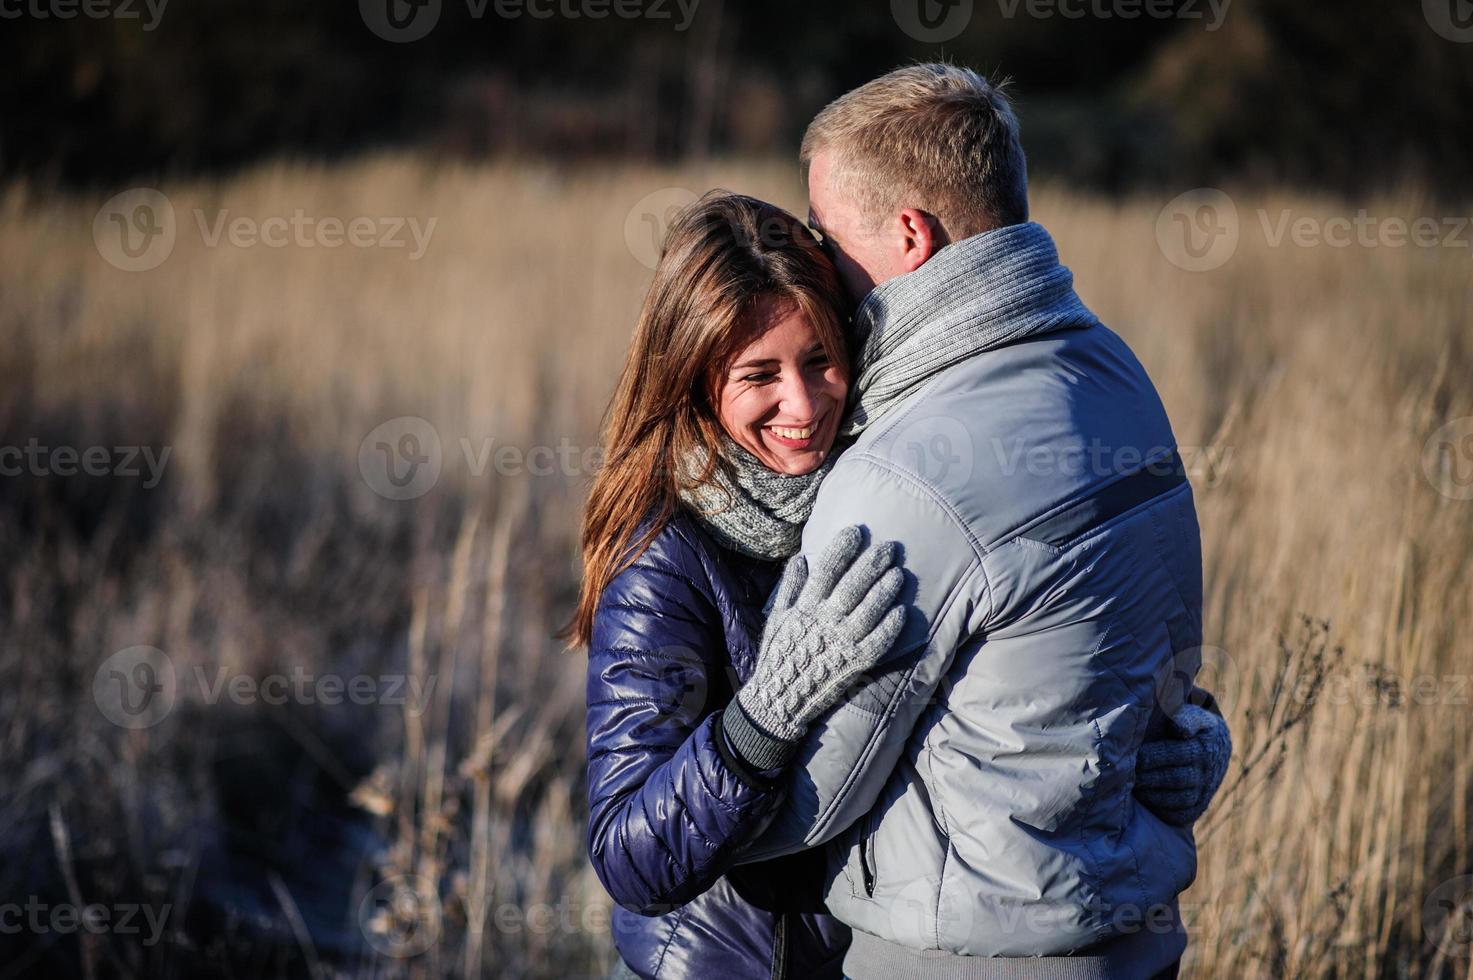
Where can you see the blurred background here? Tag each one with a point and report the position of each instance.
(308, 315)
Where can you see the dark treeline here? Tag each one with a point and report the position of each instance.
(1360, 93)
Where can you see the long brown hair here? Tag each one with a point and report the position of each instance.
(721, 256)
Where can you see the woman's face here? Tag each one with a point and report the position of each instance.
(782, 397)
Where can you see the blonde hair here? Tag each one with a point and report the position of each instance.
(935, 137)
(722, 257)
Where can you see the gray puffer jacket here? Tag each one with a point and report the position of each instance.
(975, 796)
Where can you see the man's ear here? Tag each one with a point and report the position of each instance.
(921, 236)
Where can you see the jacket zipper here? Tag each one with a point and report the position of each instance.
(780, 947)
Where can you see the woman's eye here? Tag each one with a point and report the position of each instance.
(759, 378)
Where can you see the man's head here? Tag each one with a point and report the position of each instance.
(914, 160)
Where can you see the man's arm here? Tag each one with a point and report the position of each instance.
(849, 753)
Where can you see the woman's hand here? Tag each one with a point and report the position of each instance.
(829, 625)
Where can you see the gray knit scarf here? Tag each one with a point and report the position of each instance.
(750, 508)
(975, 295)
(972, 296)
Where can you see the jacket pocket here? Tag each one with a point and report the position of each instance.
(867, 871)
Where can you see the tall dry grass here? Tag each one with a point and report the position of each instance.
(379, 839)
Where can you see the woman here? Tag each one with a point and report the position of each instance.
(674, 633)
(722, 425)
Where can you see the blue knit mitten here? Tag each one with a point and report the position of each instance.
(1177, 776)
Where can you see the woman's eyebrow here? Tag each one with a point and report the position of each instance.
(759, 361)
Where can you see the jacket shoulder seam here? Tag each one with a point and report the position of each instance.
(888, 467)
(890, 707)
(979, 552)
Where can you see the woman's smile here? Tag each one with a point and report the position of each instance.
(784, 394)
(797, 437)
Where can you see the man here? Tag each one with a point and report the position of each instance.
(976, 795)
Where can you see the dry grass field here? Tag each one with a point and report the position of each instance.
(433, 825)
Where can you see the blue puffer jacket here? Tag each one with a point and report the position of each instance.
(674, 636)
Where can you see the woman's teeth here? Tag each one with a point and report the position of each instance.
(803, 433)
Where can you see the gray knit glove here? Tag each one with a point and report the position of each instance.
(1177, 776)
(828, 625)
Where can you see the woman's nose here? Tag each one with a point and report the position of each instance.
(797, 399)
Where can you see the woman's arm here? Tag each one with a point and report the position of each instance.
(668, 803)
(673, 797)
